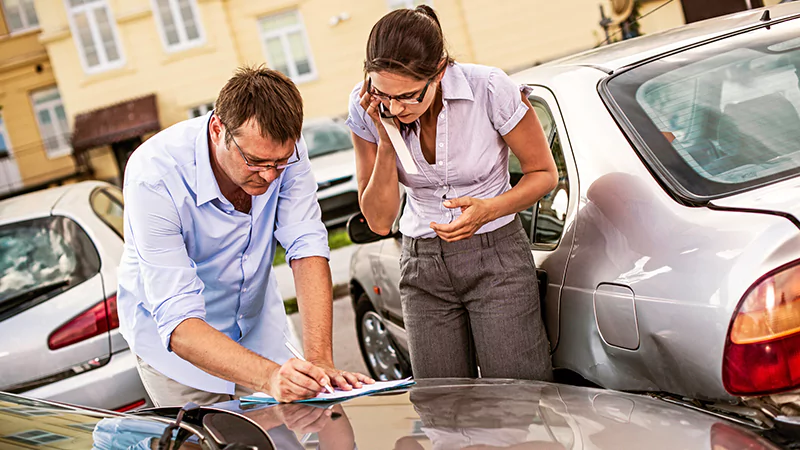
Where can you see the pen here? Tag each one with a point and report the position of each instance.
(300, 357)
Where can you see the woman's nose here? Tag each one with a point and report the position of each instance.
(395, 107)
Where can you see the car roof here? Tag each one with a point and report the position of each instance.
(612, 57)
(40, 203)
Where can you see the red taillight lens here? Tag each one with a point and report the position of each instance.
(762, 352)
(99, 319)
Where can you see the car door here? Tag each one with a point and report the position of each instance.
(549, 222)
(53, 315)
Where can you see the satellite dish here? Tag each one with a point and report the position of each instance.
(620, 10)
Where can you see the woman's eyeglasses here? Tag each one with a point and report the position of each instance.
(407, 99)
(295, 158)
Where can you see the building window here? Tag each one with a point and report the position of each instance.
(52, 121)
(20, 15)
(286, 45)
(36, 437)
(9, 172)
(411, 4)
(200, 110)
(178, 23)
(95, 34)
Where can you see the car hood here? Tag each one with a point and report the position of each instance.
(780, 198)
(334, 166)
(455, 414)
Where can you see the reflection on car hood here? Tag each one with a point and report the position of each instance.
(334, 165)
(782, 198)
(28, 423)
(455, 414)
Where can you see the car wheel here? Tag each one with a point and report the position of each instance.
(381, 355)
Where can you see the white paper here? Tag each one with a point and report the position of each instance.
(400, 147)
(338, 394)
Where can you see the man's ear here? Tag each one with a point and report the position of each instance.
(215, 127)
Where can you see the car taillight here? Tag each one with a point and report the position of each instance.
(97, 320)
(762, 352)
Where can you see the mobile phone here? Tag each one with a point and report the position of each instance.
(384, 112)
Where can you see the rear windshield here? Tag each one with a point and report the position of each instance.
(326, 137)
(40, 258)
(722, 117)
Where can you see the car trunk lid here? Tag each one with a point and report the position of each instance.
(781, 199)
(26, 359)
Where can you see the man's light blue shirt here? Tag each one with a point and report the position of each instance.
(189, 254)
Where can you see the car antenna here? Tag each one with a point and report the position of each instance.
(765, 17)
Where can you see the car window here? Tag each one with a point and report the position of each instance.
(544, 221)
(107, 203)
(40, 258)
(721, 117)
(326, 137)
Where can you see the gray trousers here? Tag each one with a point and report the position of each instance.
(474, 302)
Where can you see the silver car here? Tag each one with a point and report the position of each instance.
(333, 164)
(59, 251)
(669, 253)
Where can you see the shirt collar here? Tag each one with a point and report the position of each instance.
(455, 85)
(207, 188)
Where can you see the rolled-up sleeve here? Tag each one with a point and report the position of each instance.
(506, 108)
(172, 289)
(358, 120)
(299, 227)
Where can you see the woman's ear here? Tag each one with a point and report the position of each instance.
(441, 75)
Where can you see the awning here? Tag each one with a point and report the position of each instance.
(115, 123)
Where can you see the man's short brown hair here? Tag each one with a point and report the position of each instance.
(266, 96)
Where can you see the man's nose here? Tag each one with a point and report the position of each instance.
(269, 175)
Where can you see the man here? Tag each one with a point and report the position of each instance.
(205, 202)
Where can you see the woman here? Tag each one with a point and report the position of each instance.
(468, 281)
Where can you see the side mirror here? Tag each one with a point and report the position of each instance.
(359, 232)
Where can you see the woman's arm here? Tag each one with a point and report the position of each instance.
(540, 176)
(376, 172)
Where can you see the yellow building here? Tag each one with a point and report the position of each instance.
(34, 141)
(111, 72)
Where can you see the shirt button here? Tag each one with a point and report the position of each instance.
(241, 316)
(441, 163)
(441, 115)
(245, 257)
(244, 289)
(441, 144)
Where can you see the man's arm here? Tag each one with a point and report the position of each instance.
(202, 345)
(300, 231)
(312, 280)
(173, 292)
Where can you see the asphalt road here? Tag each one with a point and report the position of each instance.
(346, 354)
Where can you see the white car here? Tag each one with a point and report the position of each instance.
(334, 165)
(59, 251)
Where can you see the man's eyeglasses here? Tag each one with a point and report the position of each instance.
(405, 99)
(263, 167)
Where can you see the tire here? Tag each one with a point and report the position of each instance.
(383, 358)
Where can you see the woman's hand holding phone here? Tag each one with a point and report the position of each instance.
(373, 108)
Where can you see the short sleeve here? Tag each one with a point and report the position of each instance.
(358, 120)
(506, 107)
